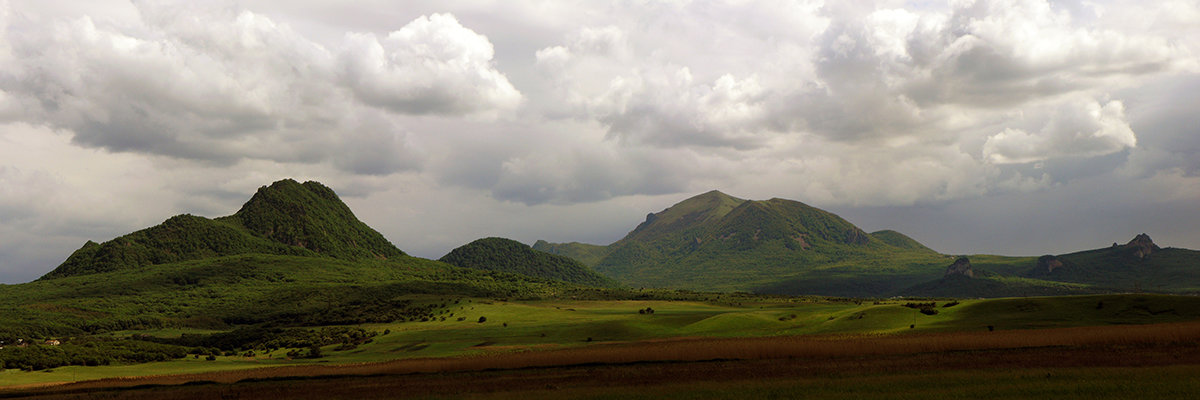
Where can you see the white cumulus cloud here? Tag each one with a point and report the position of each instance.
(433, 65)
(1074, 129)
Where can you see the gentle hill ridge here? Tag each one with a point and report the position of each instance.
(285, 218)
(1137, 265)
(506, 255)
(588, 254)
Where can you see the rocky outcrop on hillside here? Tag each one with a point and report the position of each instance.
(961, 267)
(1047, 264)
(1141, 246)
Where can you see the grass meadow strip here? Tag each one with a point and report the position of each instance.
(690, 349)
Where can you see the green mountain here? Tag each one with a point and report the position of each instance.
(293, 255)
(286, 218)
(714, 241)
(506, 255)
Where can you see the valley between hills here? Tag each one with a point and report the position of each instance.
(293, 288)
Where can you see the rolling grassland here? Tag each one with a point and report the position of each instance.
(1081, 362)
(533, 338)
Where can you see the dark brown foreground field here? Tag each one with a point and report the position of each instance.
(1134, 361)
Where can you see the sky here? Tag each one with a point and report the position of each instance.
(1018, 127)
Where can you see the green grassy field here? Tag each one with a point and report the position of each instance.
(548, 324)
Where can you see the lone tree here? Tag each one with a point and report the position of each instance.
(482, 319)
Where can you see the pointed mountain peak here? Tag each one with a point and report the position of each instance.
(695, 210)
(714, 193)
(1142, 246)
(312, 216)
(713, 199)
(288, 190)
(1141, 239)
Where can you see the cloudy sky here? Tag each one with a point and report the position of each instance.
(1017, 127)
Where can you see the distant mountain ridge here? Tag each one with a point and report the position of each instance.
(285, 218)
(709, 242)
(1140, 264)
(714, 241)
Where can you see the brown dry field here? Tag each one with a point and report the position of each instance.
(652, 364)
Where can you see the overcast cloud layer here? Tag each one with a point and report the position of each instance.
(1017, 127)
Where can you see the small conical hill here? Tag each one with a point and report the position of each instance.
(506, 255)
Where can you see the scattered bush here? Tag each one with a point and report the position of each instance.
(265, 338)
(920, 305)
(929, 308)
